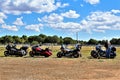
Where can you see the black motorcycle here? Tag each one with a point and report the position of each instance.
(70, 53)
(99, 53)
(13, 51)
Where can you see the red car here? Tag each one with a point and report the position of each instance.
(37, 51)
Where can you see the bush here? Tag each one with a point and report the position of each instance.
(34, 43)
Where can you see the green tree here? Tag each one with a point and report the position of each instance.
(114, 41)
(60, 40)
(7, 39)
(24, 39)
(92, 41)
(48, 39)
(67, 40)
(35, 43)
(55, 39)
(17, 39)
(43, 37)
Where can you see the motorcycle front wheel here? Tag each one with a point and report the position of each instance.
(59, 54)
(94, 54)
(31, 54)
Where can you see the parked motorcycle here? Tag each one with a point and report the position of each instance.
(70, 53)
(37, 51)
(13, 51)
(99, 53)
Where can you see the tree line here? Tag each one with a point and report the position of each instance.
(42, 38)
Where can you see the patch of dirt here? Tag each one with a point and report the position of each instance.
(12, 68)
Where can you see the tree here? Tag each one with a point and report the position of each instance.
(17, 39)
(43, 37)
(55, 39)
(118, 42)
(67, 40)
(24, 39)
(114, 41)
(34, 43)
(30, 39)
(7, 39)
(60, 40)
(48, 39)
(92, 41)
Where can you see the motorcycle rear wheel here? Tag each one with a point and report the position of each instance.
(76, 55)
(6, 53)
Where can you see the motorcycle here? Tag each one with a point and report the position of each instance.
(37, 51)
(13, 51)
(99, 53)
(70, 53)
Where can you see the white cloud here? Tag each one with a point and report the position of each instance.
(27, 6)
(68, 26)
(92, 1)
(34, 27)
(96, 30)
(81, 5)
(64, 5)
(71, 14)
(19, 22)
(101, 21)
(8, 27)
(53, 18)
(115, 11)
(97, 21)
(39, 19)
(56, 21)
(2, 17)
(57, 18)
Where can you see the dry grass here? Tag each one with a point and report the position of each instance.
(58, 69)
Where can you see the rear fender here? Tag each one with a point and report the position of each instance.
(48, 53)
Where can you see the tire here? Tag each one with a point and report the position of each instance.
(26, 53)
(23, 52)
(6, 53)
(46, 56)
(20, 55)
(94, 54)
(31, 54)
(112, 56)
(76, 55)
(59, 54)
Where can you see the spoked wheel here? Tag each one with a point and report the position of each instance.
(94, 54)
(59, 54)
(31, 54)
(6, 53)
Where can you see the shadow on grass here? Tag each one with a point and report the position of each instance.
(35, 57)
(2, 56)
(90, 57)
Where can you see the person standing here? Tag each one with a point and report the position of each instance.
(108, 49)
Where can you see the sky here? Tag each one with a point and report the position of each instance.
(97, 19)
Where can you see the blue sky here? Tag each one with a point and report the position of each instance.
(98, 19)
